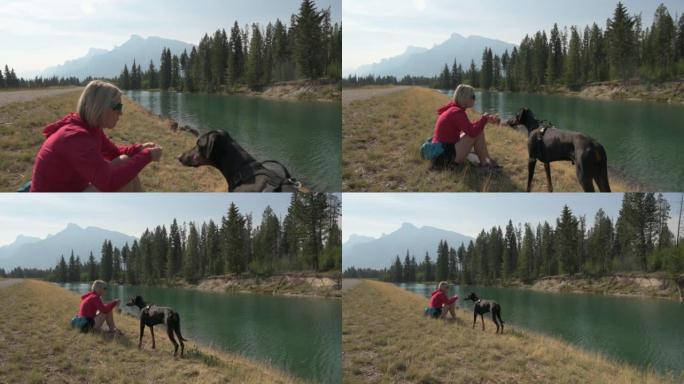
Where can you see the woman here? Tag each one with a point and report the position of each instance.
(441, 303)
(77, 156)
(458, 135)
(95, 311)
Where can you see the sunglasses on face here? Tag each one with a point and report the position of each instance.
(117, 107)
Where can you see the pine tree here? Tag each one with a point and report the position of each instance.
(236, 56)
(620, 42)
(442, 261)
(165, 70)
(573, 63)
(106, 267)
(92, 268)
(152, 77)
(486, 69)
(62, 271)
(429, 274)
(125, 79)
(554, 67)
(191, 259)
(255, 60)
(308, 47)
(510, 252)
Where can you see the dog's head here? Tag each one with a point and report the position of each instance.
(524, 117)
(136, 301)
(472, 297)
(208, 149)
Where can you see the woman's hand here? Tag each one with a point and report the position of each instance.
(156, 153)
(149, 145)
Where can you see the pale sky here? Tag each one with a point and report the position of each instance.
(372, 214)
(37, 214)
(377, 29)
(35, 34)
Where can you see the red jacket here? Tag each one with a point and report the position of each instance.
(439, 298)
(452, 120)
(91, 303)
(75, 155)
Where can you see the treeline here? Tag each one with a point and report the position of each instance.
(9, 79)
(309, 48)
(307, 238)
(623, 51)
(638, 240)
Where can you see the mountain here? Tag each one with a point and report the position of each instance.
(430, 62)
(381, 252)
(356, 240)
(104, 63)
(33, 252)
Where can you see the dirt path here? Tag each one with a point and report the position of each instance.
(349, 283)
(30, 94)
(8, 282)
(353, 94)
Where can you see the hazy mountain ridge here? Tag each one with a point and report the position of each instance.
(381, 252)
(109, 63)
(32, 252)
(429, 62)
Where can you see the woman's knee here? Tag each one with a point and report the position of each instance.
(120, 160)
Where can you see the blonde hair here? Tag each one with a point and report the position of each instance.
(96, 96)
(98, 284)
(442, 284)
(463, 93)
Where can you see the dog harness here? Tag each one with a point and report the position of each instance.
(275, 181)
(545, 125)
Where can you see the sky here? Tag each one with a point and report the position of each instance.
(35, 34)
(374, 214)
(376, 29)
(39, 214)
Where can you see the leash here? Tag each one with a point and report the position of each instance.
(545, 125)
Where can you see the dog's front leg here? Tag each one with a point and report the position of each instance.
(482, 318)
(142, 331)
(474, 319)
(547, 168)
(152, 332)
(531, 164)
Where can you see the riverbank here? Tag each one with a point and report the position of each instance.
(381, 139)
(21, 125)
(303, 284)
(635, 284)
(387, 339)
(40, 348)
(669, 92)
(297, 90)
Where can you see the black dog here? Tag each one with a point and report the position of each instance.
(152, 315)
(484, 306)
(242, 172)
(547, 144)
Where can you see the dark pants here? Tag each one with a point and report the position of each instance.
(446, 158)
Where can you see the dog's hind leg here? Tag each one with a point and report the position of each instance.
(584, 178)
(176, 327)
(601, 176)
(495, 322)
(169, 332)
(142, 332)
(531, 163)
(152, 332)
(547, 169)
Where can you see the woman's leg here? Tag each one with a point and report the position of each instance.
(134, 185)
(100, 318)
(463, 147)
(452, 310)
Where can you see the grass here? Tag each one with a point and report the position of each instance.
(386, 339)
(381, 139)
(37, 345)
(21, 126)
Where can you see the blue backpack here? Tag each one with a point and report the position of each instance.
(430, 150)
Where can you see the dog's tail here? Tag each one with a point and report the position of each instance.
(602, 161)
(177, 329)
